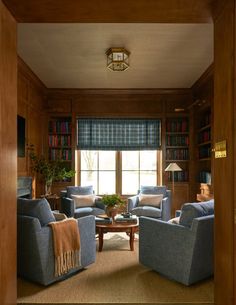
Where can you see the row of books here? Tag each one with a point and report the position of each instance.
(177, 154)
(206, 120)
(177, 125)
(205, 151)
(204, 136)
(59, 127)
(60, 154)
(205, 177)
(178, 176)
(177, 140)
(58, 140)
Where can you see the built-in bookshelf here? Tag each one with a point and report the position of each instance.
(177, 147)
(60, 141)
(204, 147)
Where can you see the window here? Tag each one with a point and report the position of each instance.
(98, 168)
(138, 168)
(118, 172)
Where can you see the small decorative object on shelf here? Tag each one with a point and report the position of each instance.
(206, 192)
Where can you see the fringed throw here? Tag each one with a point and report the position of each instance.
(66, 241)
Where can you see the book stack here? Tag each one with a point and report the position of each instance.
(103, 219)
(126, 219)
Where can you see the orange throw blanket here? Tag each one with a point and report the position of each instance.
(66, 240)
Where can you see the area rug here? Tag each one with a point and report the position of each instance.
(116, 278)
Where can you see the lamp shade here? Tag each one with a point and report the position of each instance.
(173, 167)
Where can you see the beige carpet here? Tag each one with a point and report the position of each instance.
(116, 277)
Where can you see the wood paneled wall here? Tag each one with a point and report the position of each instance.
(30, 105)
(116, 103)
(225, 168)
(8, 102)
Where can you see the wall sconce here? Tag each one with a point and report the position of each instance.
(117, 59)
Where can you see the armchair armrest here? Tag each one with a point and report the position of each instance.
(67, 206)
(132, 202)
(166, 209)
(87, 239)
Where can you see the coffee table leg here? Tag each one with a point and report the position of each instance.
(100, 237)
(131, 239)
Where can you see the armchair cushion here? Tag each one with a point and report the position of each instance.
(79, 190)
(147, 211)
(193, 210)
(38, 208)
(150, 200)
(153, 190)
(84, 200)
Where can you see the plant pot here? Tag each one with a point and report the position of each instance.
(111, 211)
(48, 188)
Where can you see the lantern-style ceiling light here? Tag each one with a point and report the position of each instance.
(117, 59)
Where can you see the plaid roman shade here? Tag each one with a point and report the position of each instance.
(118, 134)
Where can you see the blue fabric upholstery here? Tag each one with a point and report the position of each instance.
(81, 212)
(35, 254)
(68, 206)
(79, 190)
(181, 253)
(190, 211)
(38, 208)
(164, 212)
(154, 190)
(147, 211)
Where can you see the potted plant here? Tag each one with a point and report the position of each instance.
(50, 171)
(113, 203)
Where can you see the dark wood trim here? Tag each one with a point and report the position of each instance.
(53, 92)
(8, 156)
(168, 11)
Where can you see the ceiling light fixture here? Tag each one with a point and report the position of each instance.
(117, 59)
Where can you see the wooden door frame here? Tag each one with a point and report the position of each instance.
(228, 295)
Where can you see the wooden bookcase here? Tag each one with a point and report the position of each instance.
(177, 150)
(60, 143)
(177, 147)
(204, 145)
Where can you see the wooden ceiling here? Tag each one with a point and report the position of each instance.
(130, 11)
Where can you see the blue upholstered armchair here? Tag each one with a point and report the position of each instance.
(151, 206)
(35, 253)
(79, 201)
(182, 252)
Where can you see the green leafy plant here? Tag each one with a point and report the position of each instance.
(113, 200)
(49, 171)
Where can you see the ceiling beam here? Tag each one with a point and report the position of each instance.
(96, 11)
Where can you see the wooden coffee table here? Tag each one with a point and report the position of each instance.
(129, 228)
